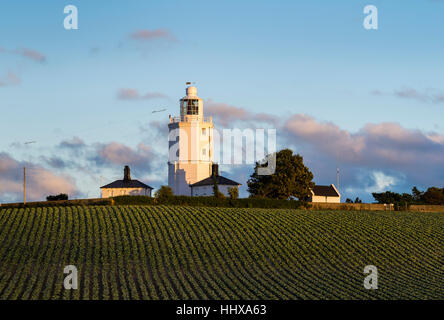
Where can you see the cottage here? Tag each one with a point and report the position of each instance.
(205, 187)
(326, 194)
(126, 187)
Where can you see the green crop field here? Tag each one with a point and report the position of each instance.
(160, 252)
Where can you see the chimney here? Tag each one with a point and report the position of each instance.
(215, 169)
(126, 174)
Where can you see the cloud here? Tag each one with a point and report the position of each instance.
(31, 54)
(382, 182)
(148, 35)
(411, 156)
(133, 94)
(74, 143)
(40, 181)
(9, 80)
(429, 95)
(27, 53)
(226, 114)
(115, 153)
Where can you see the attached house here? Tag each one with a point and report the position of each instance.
(126, 187)
(325, 194)
(205, 187)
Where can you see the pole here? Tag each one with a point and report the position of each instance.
(338, 178)
(24, 185)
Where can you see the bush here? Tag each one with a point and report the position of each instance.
(60, 203)
(164, 192)
(209, 202)
(61, 196)
(233, 192)
(125, 200)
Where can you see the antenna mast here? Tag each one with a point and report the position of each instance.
(338, 178)
(24, 185)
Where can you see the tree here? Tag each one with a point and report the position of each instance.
(290, 179)
(216, 191)
(348, 200)
(434, 196)
(61, 196)
(387, 197)
(233, 192)
(417, 195)
(164, 192)
(357, 200)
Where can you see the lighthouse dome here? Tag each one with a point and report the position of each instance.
(191, 91)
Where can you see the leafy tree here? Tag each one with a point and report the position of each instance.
(357, 200)
(434, 196)
(216, 191)
(290, 179)
(418, 196)
(164, 192)
(348, 200)
(387, 197)
(61, 196)
(233, 192)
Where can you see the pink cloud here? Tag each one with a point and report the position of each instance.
(27, 53)
(226, 114)
(32, 54)
(146, 35)
(9, 80)
(133, 94)
(120, 154)
(40, 181)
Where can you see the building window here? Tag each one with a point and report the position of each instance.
(191, 106)
(204, 152)
(204, 131)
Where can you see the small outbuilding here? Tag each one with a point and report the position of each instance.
(126, 187)
(325, 194)
(205, 187)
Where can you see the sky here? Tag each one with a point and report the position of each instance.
(370, 102)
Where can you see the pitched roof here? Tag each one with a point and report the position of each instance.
(325, 191)
(220, 181)
(126, 184)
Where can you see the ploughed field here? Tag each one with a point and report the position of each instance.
(162, 252)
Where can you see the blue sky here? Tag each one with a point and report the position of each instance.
(276, 57)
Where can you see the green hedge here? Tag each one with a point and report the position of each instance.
(209, 202)
(60, 203)
(174, 200)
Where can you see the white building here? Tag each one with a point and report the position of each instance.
(325, 194)
(205, 187)
(190, 146)
(126, 187)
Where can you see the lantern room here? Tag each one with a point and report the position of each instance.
(191, 106)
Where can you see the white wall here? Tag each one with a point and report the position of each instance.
(114, 192)
(208, 190)
(192, 165)
(326, 199)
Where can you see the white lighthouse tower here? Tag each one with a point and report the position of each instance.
(190, 144)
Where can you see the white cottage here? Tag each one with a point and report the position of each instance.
(126, 187)
(326, 194)
(205, 187)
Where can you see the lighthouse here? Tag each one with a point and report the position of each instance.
(191, 171)
(190, 144)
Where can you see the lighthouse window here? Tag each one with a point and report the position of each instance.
(204, 152)
(192, 106)
(204, 131)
